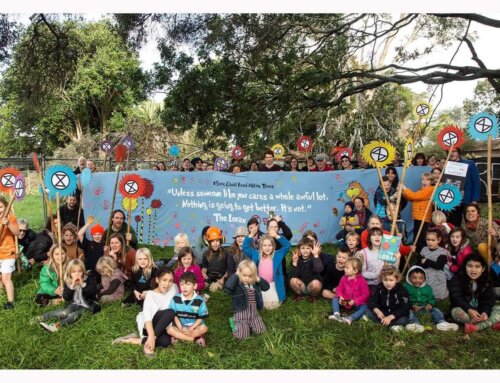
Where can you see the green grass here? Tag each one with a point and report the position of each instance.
(298, 337)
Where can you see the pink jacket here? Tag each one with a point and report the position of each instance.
(464, 251)
(356, 289)
(196, 270)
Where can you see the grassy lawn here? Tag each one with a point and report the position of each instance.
(299, 336)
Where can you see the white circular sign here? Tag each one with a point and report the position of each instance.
(60, 180)
(446, 196)
(379, 154)
(483, 125)
(131, 187)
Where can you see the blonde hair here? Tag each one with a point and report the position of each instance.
(106, 265)
(179, 237)
(261, 243)
(250, 265)
(72, 265)
(150, 266)
(389, 271)
(438, 217)
(51, 262)
(355, 263)
(355, 235)
(427, 175)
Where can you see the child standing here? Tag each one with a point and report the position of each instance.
(459, 249)
(94, 249)
(349, 222)
(143, 272)
(472, 298)
(269, 264)
(352, 292)
(235, 252)
(51, 276)
(334, 273)
(422, 300)
(246, 288)
(305, 270)
(390, 304)
(186, 263)
(112, 280)
(190, 312)
(214, 264)
(433, 258)
(8, 250)
(79, 291)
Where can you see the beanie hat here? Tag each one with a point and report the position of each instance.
(350, 204)
(97, 229)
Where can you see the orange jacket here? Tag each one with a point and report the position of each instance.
(420, 200)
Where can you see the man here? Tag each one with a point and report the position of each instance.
(472, 188)
(81, 165)
(69, 212)
(92, 166)
(197, 163)
(186, 165)
(118, 225)
(26, 235)
(269, 165)
(321, 165)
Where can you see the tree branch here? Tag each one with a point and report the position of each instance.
(472, 17)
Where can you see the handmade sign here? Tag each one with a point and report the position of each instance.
(481, 125)
(304, 144)
(60, 179)
(174, 151)
(220, 164)
(128, 142)
(455, 173)
(278, 150)
(8, 179)
(422, 109)
(379, 153)
(238, 153)
(450, 135)
(388, 247)
(343, 152)
(447, 197)
(107, 147)
(408, 151)
(131, 186)
(19, 187)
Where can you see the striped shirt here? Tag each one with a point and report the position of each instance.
(189, 310)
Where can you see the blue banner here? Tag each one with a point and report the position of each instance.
(175, 202)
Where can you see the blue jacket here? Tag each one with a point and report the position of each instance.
(472, 190)
(277, 259)
(238, 291)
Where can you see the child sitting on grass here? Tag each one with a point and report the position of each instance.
(246, 288)
(334, 273)
(352, 292)
(390, 304)
(305, 270)
(79, 292)
(143, 272)
(51, 275)
(422, 301)
(112, 280)
(190, 312)
(186, 262)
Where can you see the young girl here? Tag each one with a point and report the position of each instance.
(390, 304)
(472, 298)
(124, 256)
(379, 199)
(269, 263)
(69, 240)
(186, 263)
(180, 240)
(51, 290)
(235, 252)
(353, 242)
(372, 265)
(79, 293)
(420, 199)
(8, 250)
(334, 273)
(246, 288)
(459, 249)
(112, 280)
(352, 292)
(433, 258)
(94, 249)
(143, 271)
(155, 316)
(214, 265)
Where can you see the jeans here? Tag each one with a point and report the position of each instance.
(67, 315)
(360, 310)
(403, 321)
(437, 315)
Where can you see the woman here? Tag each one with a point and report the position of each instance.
(294, 165)
(123, 255)
(476, 229)
(419, 160)
(310, 165)
(161, 166)
(345, 163)
(432, 161)
(392, 173)
(362, 212)
(254, 166)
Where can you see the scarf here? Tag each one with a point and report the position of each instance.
(472, 225)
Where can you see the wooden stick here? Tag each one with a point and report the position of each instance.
(46, 198)
(18, 258)
(6, 215)
(490, 207)
(59, 239)
(415, 240)
(129, 213)
(398, 201)
(104, 163)
(79, 209)
(113, 203)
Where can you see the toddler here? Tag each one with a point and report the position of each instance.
(349, 222)
(458, 248)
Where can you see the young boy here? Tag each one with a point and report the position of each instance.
(305, 270)
(94, 249)
(349, 222)
(422, 300)
(334, 273)
(190, 311)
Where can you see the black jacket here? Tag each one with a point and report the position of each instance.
(239, 292)
(28, 238)
(307, 270)
(68, 216)
(481, 300)
(391, 302)
(88, 292)
(39, 248)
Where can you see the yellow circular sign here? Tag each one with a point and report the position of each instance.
(278, 150)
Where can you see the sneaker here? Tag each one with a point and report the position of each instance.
(469, 328)
(232, 324)
(336, 317)
(201, 342)
(415, 327)
(347, 321)
(365, 318)
(49, 327)
(447, 326)
(8, 306)
(397, 328)
(298, 297)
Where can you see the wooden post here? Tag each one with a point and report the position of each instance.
(490, 206)
(59, 239)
